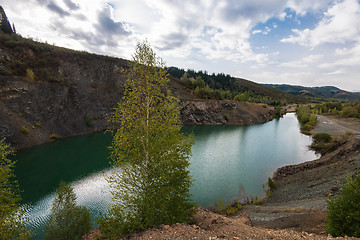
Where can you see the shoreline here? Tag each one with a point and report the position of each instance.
(299, 200)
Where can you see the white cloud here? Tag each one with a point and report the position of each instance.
(216, 33)
(337, 72)
(304, 6)
(305, 62)
(256, 31)
(340, 24)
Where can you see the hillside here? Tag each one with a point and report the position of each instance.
(317, 93)
(48, 92)
(220, 86)
(274, 93)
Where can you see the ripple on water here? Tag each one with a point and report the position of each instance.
(92, 192)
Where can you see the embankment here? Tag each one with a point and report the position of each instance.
(299, 200)
(48, 92)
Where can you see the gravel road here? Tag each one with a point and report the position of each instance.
(336, 125)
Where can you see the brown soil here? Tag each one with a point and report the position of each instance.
(209, 226)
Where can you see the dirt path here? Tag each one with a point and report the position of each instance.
(336, 125)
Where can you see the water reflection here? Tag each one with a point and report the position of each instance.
(227, 162)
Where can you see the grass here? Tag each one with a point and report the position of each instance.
(229, 209)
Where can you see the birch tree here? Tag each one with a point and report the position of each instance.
(152, 181)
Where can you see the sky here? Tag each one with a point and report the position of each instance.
(299, 42)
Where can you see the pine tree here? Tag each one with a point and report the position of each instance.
(67, 220)
(151, 185)
(5, 26)
(11, 217)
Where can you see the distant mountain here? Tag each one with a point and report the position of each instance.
(264, 90)
(321, 93)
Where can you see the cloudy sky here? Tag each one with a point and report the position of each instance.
(301, 42)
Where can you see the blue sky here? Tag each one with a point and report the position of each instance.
(299, 42)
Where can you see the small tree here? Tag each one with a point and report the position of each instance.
(67, 220)
(151, 185)
(11, 217)
(5, 26)
(343, 216)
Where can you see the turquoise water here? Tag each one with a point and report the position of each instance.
(228, 162)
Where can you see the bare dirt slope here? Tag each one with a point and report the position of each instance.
(209, 226)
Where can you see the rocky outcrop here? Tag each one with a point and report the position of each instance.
(47, 93)
(215, 112)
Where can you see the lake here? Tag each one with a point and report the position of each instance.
(227, 162)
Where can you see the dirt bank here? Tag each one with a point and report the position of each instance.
(299, 201)
(208, 226)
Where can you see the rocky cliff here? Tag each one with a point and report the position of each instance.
(48, 92)
(223, 112)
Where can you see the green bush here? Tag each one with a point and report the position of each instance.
(12, 217)
(229, 209)
(24, 130)
(349, 112)
(67, 220)
(305, 129)
(271, 184)
(53, 136)
(343, 217)
(30, 74)
(321, 142)
(322, 137)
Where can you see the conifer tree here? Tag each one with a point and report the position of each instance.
(5, 26)
(11, 217)
(151, 185)
(67, 220)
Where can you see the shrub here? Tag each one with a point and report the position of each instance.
(343, 217)
(321, 142)
(306, 118)
(12, 218)
(67, 220)
(53, 136)
(30, 74)
(89, 121)
(24, 130)
(306, 129)
(277, 112)
(322, 137)
(312, 120)
(349, 112)
(229, 209)
(18, 68)
(271, 184)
